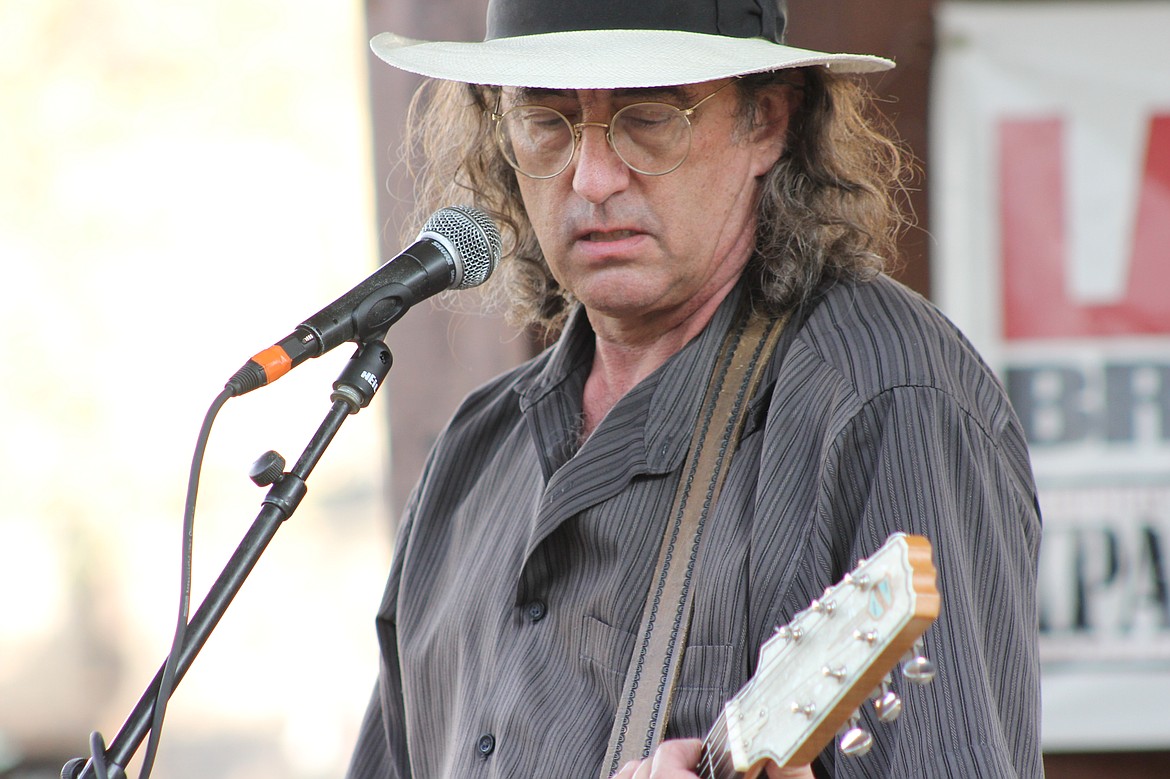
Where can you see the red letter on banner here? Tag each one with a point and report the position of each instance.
(1034, 244)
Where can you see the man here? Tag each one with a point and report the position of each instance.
(657, 171)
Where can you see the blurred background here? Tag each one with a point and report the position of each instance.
(182, 183)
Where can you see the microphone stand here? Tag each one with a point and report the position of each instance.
(352, 391)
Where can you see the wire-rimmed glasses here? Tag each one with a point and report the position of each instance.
(651, 138)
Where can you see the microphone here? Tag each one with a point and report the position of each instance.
(458, 248)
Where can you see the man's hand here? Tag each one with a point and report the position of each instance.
(679, 759)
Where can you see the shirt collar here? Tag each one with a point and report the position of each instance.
(665, 404)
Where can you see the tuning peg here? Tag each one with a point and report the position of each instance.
(826, 606)
(855, 741)
(808, 710)
(859, 580)
(886, 703)
(918, 668)
(789, 632)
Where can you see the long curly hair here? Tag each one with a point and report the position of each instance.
(830, 209)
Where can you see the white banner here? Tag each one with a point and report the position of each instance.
(1051, 202)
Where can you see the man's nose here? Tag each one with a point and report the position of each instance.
(599, 171)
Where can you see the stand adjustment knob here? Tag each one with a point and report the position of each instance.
(267, 469)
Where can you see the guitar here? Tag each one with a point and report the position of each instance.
(817, 670)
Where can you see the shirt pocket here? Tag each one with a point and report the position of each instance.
(703, 683)
(605, 658)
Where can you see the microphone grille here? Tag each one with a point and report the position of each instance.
(474, 237)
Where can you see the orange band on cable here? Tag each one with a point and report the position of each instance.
(274, 361)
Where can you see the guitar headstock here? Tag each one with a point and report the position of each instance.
(817, 670)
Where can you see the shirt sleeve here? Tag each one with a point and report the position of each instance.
(914, 459)
(382, 750)
(371, 759)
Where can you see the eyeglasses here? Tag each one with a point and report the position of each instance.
(651, 138)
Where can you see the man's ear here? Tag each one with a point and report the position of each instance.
(775, 106)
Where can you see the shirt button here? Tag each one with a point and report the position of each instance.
(534, 610)
(486, 744)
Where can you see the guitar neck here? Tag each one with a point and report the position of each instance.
(715, 760)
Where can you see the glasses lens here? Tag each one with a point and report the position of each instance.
(652, 138)
(536, 141)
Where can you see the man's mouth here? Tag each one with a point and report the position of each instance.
(616, 235)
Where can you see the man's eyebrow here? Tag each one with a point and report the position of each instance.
(522, 95)
(654, 92)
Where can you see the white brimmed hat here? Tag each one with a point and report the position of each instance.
(616, 44)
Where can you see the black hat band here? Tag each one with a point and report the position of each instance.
(733, 18)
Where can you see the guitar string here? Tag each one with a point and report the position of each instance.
(715, 748)
(716, 758)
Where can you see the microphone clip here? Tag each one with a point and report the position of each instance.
(363, 375)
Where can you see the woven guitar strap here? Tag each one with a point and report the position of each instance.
(644, 707)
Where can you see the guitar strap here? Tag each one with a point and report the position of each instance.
(644, 707)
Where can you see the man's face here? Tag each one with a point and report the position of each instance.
(649, 251)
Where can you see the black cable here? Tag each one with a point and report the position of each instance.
(167, 683)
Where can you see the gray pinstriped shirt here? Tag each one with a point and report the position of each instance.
(524, 561)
